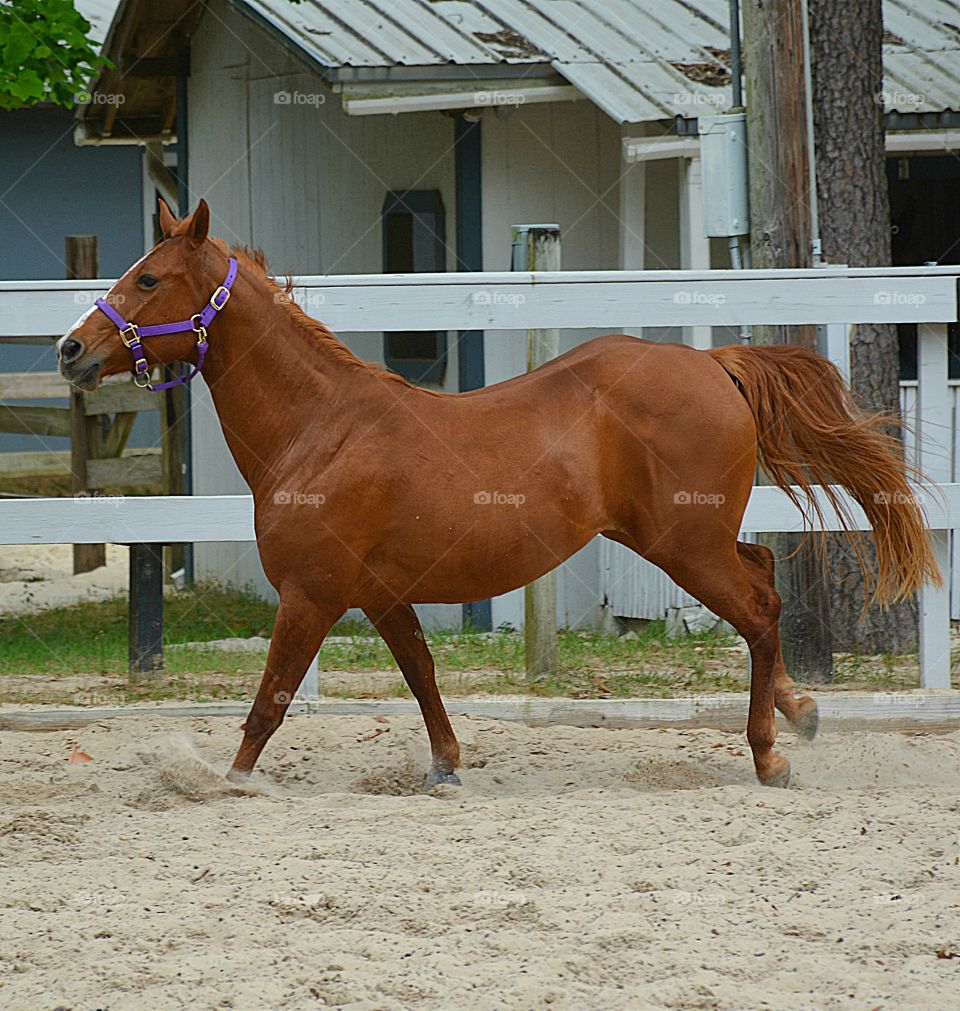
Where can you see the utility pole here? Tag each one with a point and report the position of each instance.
(781, 236)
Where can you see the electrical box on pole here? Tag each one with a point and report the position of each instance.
(723, 155)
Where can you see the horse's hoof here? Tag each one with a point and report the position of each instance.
(780, 776)
(808, 722)
(437, 777)
(238, 777)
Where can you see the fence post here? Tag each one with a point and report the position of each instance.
(537, 247)
(146, 612)
(934, 458)
(82, 261)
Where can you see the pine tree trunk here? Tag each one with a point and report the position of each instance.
(846, 43)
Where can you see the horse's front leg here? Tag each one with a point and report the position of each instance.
(401, 631)
(300, 628)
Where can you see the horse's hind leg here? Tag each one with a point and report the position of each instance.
(706, 564)
(401, 631)
(801, 713)
(300, 628)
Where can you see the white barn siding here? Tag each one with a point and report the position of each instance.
(551, 164)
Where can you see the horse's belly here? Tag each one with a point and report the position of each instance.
(469, 569)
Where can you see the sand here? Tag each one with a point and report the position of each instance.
(34, 577)
(575, 869)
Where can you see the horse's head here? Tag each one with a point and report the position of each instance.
(172, 282)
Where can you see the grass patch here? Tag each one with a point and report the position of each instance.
(78, 655)
(92, 638)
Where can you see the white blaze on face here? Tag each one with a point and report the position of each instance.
(77, 324)
(94, 308)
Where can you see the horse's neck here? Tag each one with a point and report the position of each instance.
(273, 382)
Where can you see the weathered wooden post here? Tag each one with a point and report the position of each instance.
(82, 261)
(781, 235)
(537, 247)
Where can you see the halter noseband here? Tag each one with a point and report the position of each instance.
(131, 334)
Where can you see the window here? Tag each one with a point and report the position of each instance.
(414, 242)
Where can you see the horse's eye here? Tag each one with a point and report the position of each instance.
(147, 281)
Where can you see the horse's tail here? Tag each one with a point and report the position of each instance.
(809, 432)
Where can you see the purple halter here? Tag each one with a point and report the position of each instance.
(131, 334)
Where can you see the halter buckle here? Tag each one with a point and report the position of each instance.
(145, 376)
(226, 297)
(132, 329)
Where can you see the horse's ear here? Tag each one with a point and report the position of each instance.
(199, 223)
(167, 220)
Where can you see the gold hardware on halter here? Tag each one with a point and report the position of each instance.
(145, 376)
(198, 328)
(226, 298)
(135, 339)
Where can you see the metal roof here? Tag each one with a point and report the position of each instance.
(637, 60)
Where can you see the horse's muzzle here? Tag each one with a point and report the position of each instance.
(81, 374)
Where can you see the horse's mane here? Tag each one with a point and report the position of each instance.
(256, 258)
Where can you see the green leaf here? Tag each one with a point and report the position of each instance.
(27, 85)
(20, 42)
(44, 41)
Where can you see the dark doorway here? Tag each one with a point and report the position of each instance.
(925, 222)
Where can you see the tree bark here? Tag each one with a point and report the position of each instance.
(847, 66)
(780, 236)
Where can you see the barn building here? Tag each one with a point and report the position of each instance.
(359, 136)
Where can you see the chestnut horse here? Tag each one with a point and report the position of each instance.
(371, 492)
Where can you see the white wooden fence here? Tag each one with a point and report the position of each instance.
(616, 299)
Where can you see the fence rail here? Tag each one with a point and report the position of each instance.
(835, 298)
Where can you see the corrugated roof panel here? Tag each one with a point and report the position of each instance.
(917, 82)
(668, 31)
(930, 25)
(312, 27)
(446, 36)
(619, 100)
(386, 29)
(636, 59)
(558, 40)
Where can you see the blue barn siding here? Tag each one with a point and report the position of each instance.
(49, 188)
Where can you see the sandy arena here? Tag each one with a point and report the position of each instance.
(575, 869)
